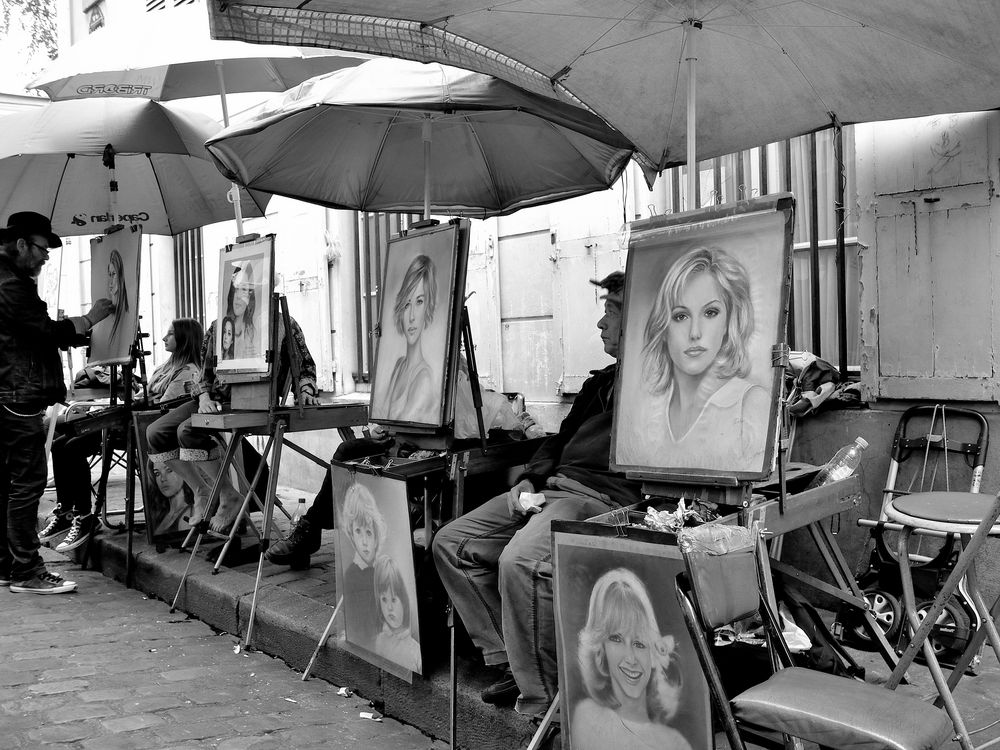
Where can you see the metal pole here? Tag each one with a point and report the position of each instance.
(691, 56)
(840, 216)
(426, 134)
(234, 191)
(814, 311)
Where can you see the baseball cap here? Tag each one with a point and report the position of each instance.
(24, 224)
(613, 283)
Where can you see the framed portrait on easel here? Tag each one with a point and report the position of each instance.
(629, 675)
(706, 303)
(114, 274)
(243, 321)
(419, 327)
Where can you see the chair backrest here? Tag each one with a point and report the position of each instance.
(722, 569)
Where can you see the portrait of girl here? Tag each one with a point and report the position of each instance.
(628, 669)
(395, 640)
(241, 308)
(114, 274)
(365, 527)
(117, 291)
(171, 499)
(704, 307)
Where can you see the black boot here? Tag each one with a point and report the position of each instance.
(294, 549)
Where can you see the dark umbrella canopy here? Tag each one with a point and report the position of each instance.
(355, 139)
(765, 70)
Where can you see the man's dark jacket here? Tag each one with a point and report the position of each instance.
(582, 447)
(31, 372)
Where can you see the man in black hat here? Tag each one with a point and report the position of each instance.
(31, 378)
(495, 561)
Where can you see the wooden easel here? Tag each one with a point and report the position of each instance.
(275, 420)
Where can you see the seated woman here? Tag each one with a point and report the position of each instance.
(71, 454)
(196, 455)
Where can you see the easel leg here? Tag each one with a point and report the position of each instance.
(130, 466)
(202, 526)
(272, 489)
(323, 638)
(543, 729)
(234, 531)
(102, 493)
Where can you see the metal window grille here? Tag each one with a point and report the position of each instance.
(189, 275)
(374, 232)
(815, 168)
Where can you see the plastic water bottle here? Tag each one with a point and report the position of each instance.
(529, 427)
(300, 511)
(844, 463)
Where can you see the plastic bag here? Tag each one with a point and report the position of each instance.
(497, 411)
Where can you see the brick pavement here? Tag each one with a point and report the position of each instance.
(108, 668)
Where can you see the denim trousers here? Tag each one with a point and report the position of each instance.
(498, 573)
(173, 432)
(23, 472)
(71, 471)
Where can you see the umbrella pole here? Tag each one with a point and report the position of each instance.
(691, 56)
(426, 134)
(234, 191)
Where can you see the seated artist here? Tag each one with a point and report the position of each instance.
(71, 453)
(196, 455)
(495, 561)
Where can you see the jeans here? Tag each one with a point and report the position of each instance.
(71, 471)
(23, 472)
(498, 574)
(173, 431)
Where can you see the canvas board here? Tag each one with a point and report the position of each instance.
(629, 675)
(419, 326)
(705, 306)
(114, 274)
(375, 573)
(167, 500)
(242, 328)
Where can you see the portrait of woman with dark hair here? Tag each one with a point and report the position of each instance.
(241, 307)
(412, 394)
(171, 500)
(228, 338)
(700, 407)
(117, 291)
(629, 671)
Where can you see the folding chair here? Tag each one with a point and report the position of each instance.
(728, 579)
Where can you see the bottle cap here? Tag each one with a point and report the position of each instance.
(862, 442)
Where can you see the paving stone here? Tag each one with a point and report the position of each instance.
(131, 723)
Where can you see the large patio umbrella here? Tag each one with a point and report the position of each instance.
(391, 135)
(170, 55)
(66, 159)
(765, 70)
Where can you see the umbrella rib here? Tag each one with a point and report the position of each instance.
(159, 191)
(62, 175)
(378, 156)
(494, 188)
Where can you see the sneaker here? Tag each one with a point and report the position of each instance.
(43, 583)
(4, 579)
(80, 529)
(58, 523)
(302, 541)
(502, 692)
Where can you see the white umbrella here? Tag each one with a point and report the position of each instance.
(171, 56)
(55, 160)
(392, 135)
(766, 70)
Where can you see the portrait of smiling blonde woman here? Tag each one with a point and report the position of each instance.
(625, 662)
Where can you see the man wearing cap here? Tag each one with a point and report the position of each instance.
(31, 378)
(495, 561)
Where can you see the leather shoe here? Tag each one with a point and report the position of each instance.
(502, 692)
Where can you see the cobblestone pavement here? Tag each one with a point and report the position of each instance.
(107, 668)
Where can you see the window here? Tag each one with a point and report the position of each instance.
(808, 167)
(374, 232)
(189, 276)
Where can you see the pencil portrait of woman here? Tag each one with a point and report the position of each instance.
(117, 291)
(241, 307)
(228, 337)
(629, 671)
(412, 395)
(700, 406)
